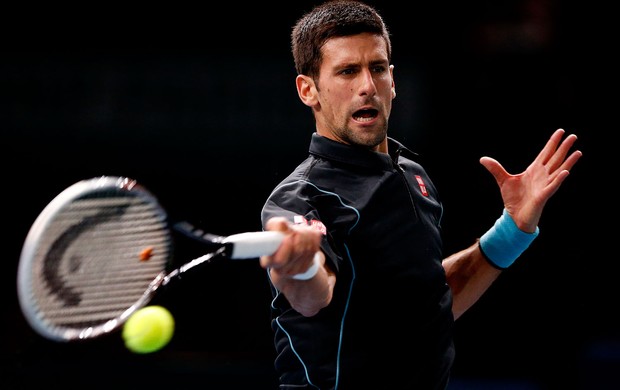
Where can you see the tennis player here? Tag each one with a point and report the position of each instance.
(363, 295)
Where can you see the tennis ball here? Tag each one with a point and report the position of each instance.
(148, 329)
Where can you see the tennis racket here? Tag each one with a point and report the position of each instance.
(100, 250)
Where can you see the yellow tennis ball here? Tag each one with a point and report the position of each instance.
(148, 329)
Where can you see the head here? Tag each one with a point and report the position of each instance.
(336, 18)
(342, 54)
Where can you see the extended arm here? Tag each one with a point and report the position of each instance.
(471, 271)
(294, 257)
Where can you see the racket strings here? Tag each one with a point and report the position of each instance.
(89, 261)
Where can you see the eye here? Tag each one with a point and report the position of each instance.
(379, 69)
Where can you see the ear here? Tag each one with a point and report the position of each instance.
(306, 90)
(393, 84)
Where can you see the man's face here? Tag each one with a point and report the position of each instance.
(355, 91)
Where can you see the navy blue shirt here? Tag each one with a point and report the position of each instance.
(390, 321)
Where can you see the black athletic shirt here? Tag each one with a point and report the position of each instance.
(389, 325)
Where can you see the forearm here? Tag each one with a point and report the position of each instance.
(469, 275)
(306, 296)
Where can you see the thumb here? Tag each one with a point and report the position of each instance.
(495, 168)
(277, 223)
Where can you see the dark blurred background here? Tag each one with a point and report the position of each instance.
(198, 103)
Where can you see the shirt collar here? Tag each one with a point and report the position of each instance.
(332, 150)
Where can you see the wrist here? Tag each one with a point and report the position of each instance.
(312, 271)
(504, 242)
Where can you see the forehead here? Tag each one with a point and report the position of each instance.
(358, 48)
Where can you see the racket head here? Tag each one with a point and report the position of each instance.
(95, 254)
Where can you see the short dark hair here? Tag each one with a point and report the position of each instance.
(333, 18)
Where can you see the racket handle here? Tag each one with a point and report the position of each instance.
(254, 244)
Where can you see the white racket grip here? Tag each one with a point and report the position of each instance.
(254, 244)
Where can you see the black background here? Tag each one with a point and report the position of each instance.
(198, 103)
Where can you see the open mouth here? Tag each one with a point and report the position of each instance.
(365, 115)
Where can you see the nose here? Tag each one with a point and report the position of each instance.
(367, 83)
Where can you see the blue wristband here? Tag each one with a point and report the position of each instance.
(504, 242)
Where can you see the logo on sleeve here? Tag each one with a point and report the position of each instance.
(420, 181)
(315, 223)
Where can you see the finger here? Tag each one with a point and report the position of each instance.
(571, 160)
(277, 223)
(554, 184)
(280, 258)
(306, 241)
(550, 147)
(556, 160)
(559, 160)
(563, 172)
